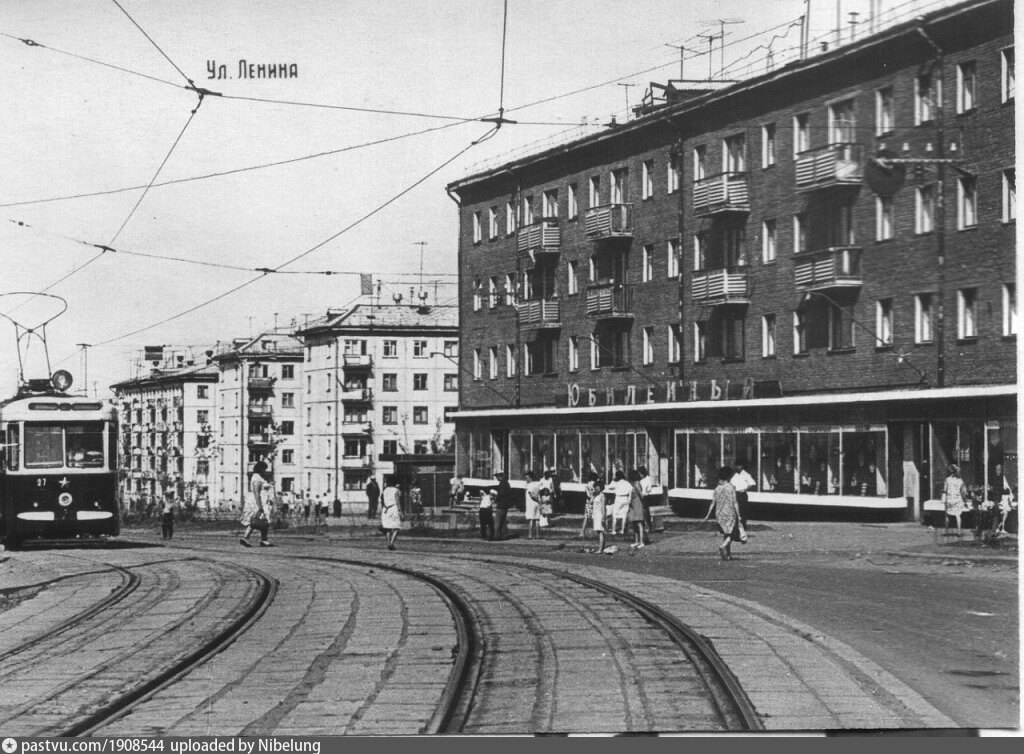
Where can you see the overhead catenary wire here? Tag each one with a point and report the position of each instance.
(153, 42)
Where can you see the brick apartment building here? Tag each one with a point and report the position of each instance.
(813, 270)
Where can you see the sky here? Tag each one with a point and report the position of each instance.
(99, 105)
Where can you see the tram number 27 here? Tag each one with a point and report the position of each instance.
(40, 482)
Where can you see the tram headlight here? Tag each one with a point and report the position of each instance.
(64, 499)
(61, 379)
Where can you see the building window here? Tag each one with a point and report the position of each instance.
(924, 209)
(842, 122)
(594, 184)
(527, 207)
(510, 361)
(767, 145)
(883, 322)
(647, 263)
(572, 207)
(354, 415)
(419, 381)
(572, 281)
(591, 270)
(389, 382)
(492, 362)
(353, 448)
(673, 177)
(768, 241)
(967, 313)
(389, 448)
(594, 359)
(612, 347)
(203, 416)
(309, 416)
(288, 372)
(574, 353)
(287, 400)
(202, 391)
(700, 163)
(883, 218)
(550, 205)
(1008, 77)
(648, 345)
(734, 154)
(389, 415)
(492, 223)
(726, 336)
(966, 202)
(700, 251)
(419, 349)
(476, 364)
(421, 447)
(451, 383)
(448, 415)
(965, 87)
(883, 111)
(620, 186)
(700, 342)
(927, 98)
(767, 335)
(923, 318)
(1009, 309)
(477, 231)
(799, 233)
(1009, 195)
(672, 258)
(510, 218)
(799, 332)
(288, 457)
(492, 292)
(801, 133)
(287, 428)
(840, 328)
(647, 179)
(451, 349)
(674, 348)
(390, 349)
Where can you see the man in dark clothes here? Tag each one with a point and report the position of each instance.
(502, 502)
(373, 497)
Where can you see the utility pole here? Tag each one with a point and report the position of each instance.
(681, 51)
(711, 40)
(626, 87)
(85, 364)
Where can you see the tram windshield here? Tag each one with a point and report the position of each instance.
(57, 445)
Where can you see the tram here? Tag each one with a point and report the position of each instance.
(58, 470)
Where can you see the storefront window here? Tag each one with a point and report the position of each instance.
(592, 451)
(519, 454)
(864, 466)
(704, 460)
(568, 444)
(543, 452)
(618, 456)
(778, 462)
(482, 467)
(681, 465)
(819, 463)
(1002, 460)
(961, 443)
(742, 447)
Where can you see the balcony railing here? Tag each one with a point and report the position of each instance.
(540, 313)
(259, 410)
(610, 301)
(261, 439)
(832, 267)
(352, 361)
(542, 237)
(261, 383)
(832, 165)
(356, 394)
(356, 462)
(610, 221)
(726, 192)
(356, 428)
(728, 285)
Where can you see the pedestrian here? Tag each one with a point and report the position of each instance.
(591, 491)
(723, 503)
(742, 482)
(456, 490)
(391, 511)
(636, 515)
(1005, 500)
(955, 498)
(167, 520)
(502, 503)
(646, 488)
(305, 509)
(255, 515)
(487, 515)
(622, 490)
(372, 498)
(325, 510)
(533, 490)
(337, 508)
(597, 509)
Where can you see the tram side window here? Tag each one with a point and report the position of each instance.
(85, 445)
(44, 446)
(13, 447)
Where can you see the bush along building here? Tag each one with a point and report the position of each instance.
(811, 271)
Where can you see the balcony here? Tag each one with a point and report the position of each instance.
(261, 383)
(610, 301)
(356, 394)
(609, 221)
(543, 237)
(729, 285)
(833, 165)
(352, 428)
(259, 411)
(355, 362)
(832, 267)
(356, 462)
(540, 314)
(726, 192)
(261, 439)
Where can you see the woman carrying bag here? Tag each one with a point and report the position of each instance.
(255, 516)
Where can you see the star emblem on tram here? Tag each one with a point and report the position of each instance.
(64, 482)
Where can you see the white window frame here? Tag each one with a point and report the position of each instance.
(476, 364)
(925, 109)
(966, 202)
(734, 161)
(842, 130)
(966, 86)
(799, 232)
(492, 362)
(672, 178)
(647, 263)
(647, 179)
(595, 360)
(510, 361)
(801, 133)
(884, 218)
(619, 186)
(550, 204)
(477, 229)
(924, 326)
(1009, 309)
(1009, 192)
(799, 333)
(884, 322)
(700, 342)
(648, 345)
(967, 313)
(477, 296)
(768, 325)
(884, 119)
(924, 199)
(594, 191)
(510, 288)
(510, 218)
(492, 292)
(492, 223)
(572, 280)
(574, 353)
(769, 241)
(527, 207)
(700, 163)
(768, 145)
(1007, 74)
(672, 257)
(674, 346)
(572, 206)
